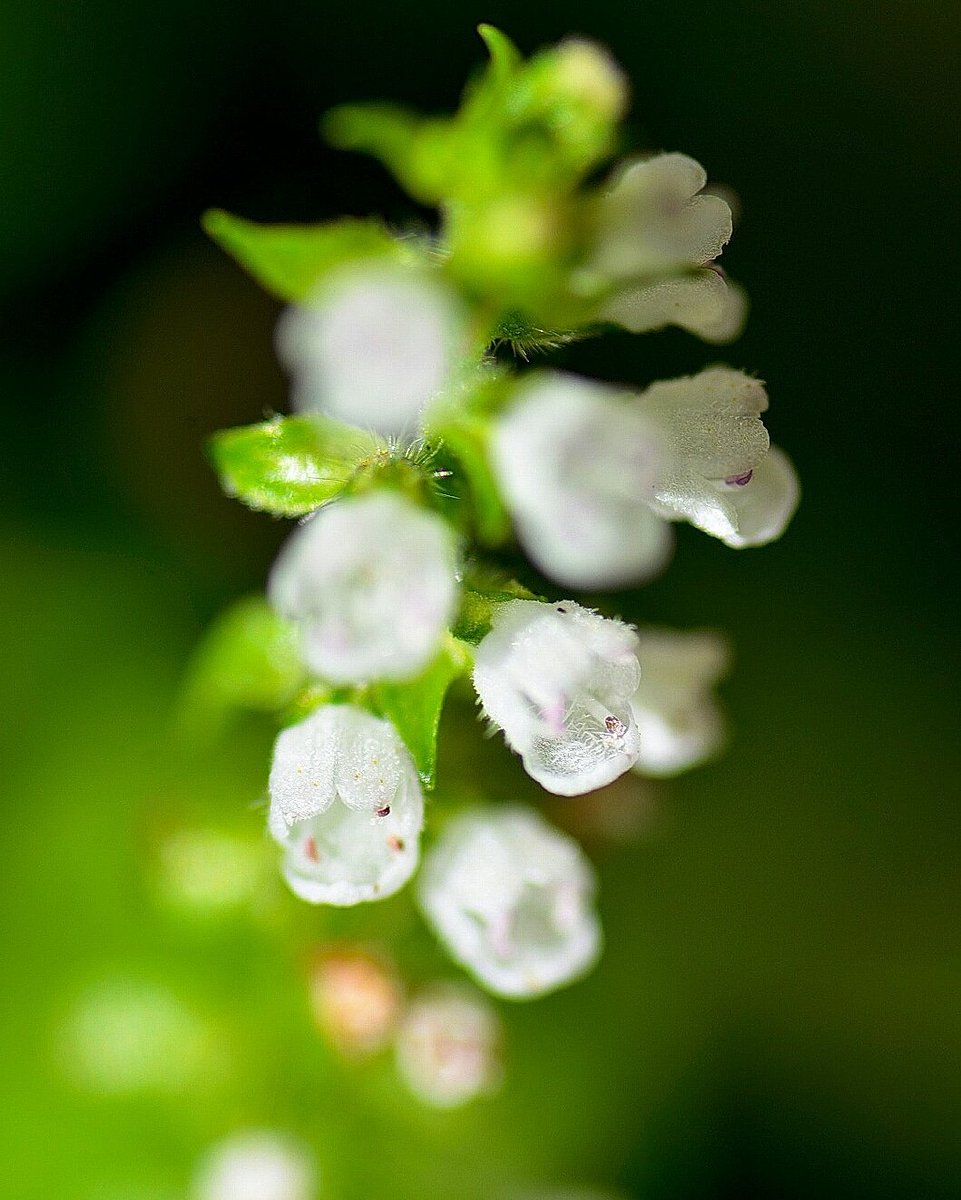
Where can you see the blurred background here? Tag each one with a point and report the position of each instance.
(778, 1013)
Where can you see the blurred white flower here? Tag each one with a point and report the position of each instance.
(255, 1165)
(373, 347)
(511, 898)
(346, 805)
(558, 678)
(126, 1036)
(721, 475)
(371, 582)
(657, 238)
(448, 1046)
(677, 718)
(577, 466)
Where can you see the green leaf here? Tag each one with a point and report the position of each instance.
(466, 438)
(290, 260)
(415, 705)
(288, 466)
(249, 661)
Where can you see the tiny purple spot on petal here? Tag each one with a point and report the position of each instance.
(739, 480)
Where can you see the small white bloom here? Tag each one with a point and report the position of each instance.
(255, 1165)
(657, 238)
(373, 347)
(371, 582)
(558, 678)
(703, 301)
(722, 477)
(511, 898)
(654, 219)
(577, 466)
(448, 1046)
(346, 805)
(677, 718)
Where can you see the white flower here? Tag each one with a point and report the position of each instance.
(374, 346)
(654, 219)
(255, 1165)
(577, 467)
(558, 678)
(448, 1046)
(658, 237)
(722, 477)
(371, 581)
(346, 805)
(677, 718)
(511, 898)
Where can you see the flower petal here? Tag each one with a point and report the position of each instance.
(652, 220)
(702, 302)
(677, 719)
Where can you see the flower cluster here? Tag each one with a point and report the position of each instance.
(419, 443)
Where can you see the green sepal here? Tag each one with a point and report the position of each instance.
(289, 466)
(414, 705)
(290, 260)
(249, 661)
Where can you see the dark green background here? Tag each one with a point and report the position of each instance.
(778, 1012)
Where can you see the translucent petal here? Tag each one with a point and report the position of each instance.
(711, 421)
(302, 772)
(362, 844)
(702, 302)
(536, 935)
(371, 582)
(652, 220)
(374, 346)
(750, 514)
(577, 466)
(557, 678)
(677, 719)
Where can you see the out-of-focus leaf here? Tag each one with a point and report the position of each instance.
(465, 436)
(249, 661)
(288, 466)
(414, 706)
(290, 260)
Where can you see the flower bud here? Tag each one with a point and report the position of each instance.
(373, 347)
(558, 678)
(511, 898)
(355, 1000)
(577, 466)
(346, 805)
(371, 582)
(448, 1046)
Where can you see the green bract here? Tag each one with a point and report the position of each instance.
(289, 466)
(290, 260)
